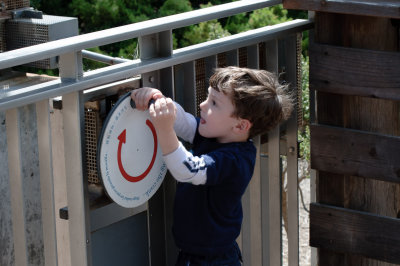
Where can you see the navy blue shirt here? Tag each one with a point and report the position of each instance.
(208, 218)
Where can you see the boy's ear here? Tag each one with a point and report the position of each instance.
(243, 125)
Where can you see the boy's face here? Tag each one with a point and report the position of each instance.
(216, 116)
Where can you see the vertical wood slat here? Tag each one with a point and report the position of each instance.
(292, 164)
(46, 183)
(16, 187)
(78, 205)
(251, 239)
(70, 66)
(274, 254)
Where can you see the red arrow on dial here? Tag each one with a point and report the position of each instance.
(122, 139)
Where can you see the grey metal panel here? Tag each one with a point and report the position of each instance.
(265, 221)
(210, 65)
(123, 243)
(232, 57)
(153, 46)
(78, 205)
(292, 171)
(253, 56)
(169, 187)
(46, 183)
(13, 98)
(16, 187)
(110, 214)
(118, 34)
(274, 254)
(185, 86)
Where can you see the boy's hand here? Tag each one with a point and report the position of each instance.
(163, 114)
(142, 96)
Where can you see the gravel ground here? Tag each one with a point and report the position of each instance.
(305, 249)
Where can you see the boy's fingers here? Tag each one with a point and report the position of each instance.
(152, 111)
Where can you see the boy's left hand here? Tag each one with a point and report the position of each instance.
(163, 114)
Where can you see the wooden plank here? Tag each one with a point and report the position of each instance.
(361, 113)
(16, 187)
(378, 8)
(357, 153)
(78, 205)
(345, 230)
(47, 183)
(355, 71)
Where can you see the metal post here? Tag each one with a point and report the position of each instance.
(151, 46)
(252, 220)
(292, 169)
(273, 254)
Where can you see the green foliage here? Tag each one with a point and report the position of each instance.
(237, 23)
(171, 7)
(304, 130)
(267, 16)
(204, 31)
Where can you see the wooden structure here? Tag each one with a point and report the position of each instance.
(355, 136)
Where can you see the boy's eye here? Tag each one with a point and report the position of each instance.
(214, 103)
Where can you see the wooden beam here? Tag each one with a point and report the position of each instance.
(356, 153)
(349, 231)
(353, 71)
(378, 8)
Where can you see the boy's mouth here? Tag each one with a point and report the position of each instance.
(202, 121)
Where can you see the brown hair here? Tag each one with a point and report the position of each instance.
(257, 96)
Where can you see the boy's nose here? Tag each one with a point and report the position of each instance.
(202, 104)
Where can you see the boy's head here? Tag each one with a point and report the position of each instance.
(256, 95)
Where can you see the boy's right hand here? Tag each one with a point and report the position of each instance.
(142, 96)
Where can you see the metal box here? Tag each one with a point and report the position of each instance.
(23, 32)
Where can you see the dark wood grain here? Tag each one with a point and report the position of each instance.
(357, 153)
(379, 8)
(353, 71)
(349, 231)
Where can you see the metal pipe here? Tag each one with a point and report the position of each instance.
(77, 43)
(131, 68)
(109, 60)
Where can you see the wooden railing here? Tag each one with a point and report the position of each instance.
(30, 203)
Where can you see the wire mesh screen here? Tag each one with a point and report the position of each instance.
(243, 57)
(300, 116)
(2, 36)
(262, 55)
(91, 129)
(221, 60)
(14, 4)
(25, 34)
(201, 86)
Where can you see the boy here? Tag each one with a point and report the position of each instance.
(241, 104)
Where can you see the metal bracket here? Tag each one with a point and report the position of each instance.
(26, 13)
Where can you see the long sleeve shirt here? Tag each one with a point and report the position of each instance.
(212, 179)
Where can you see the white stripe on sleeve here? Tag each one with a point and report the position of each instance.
(185, 167)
